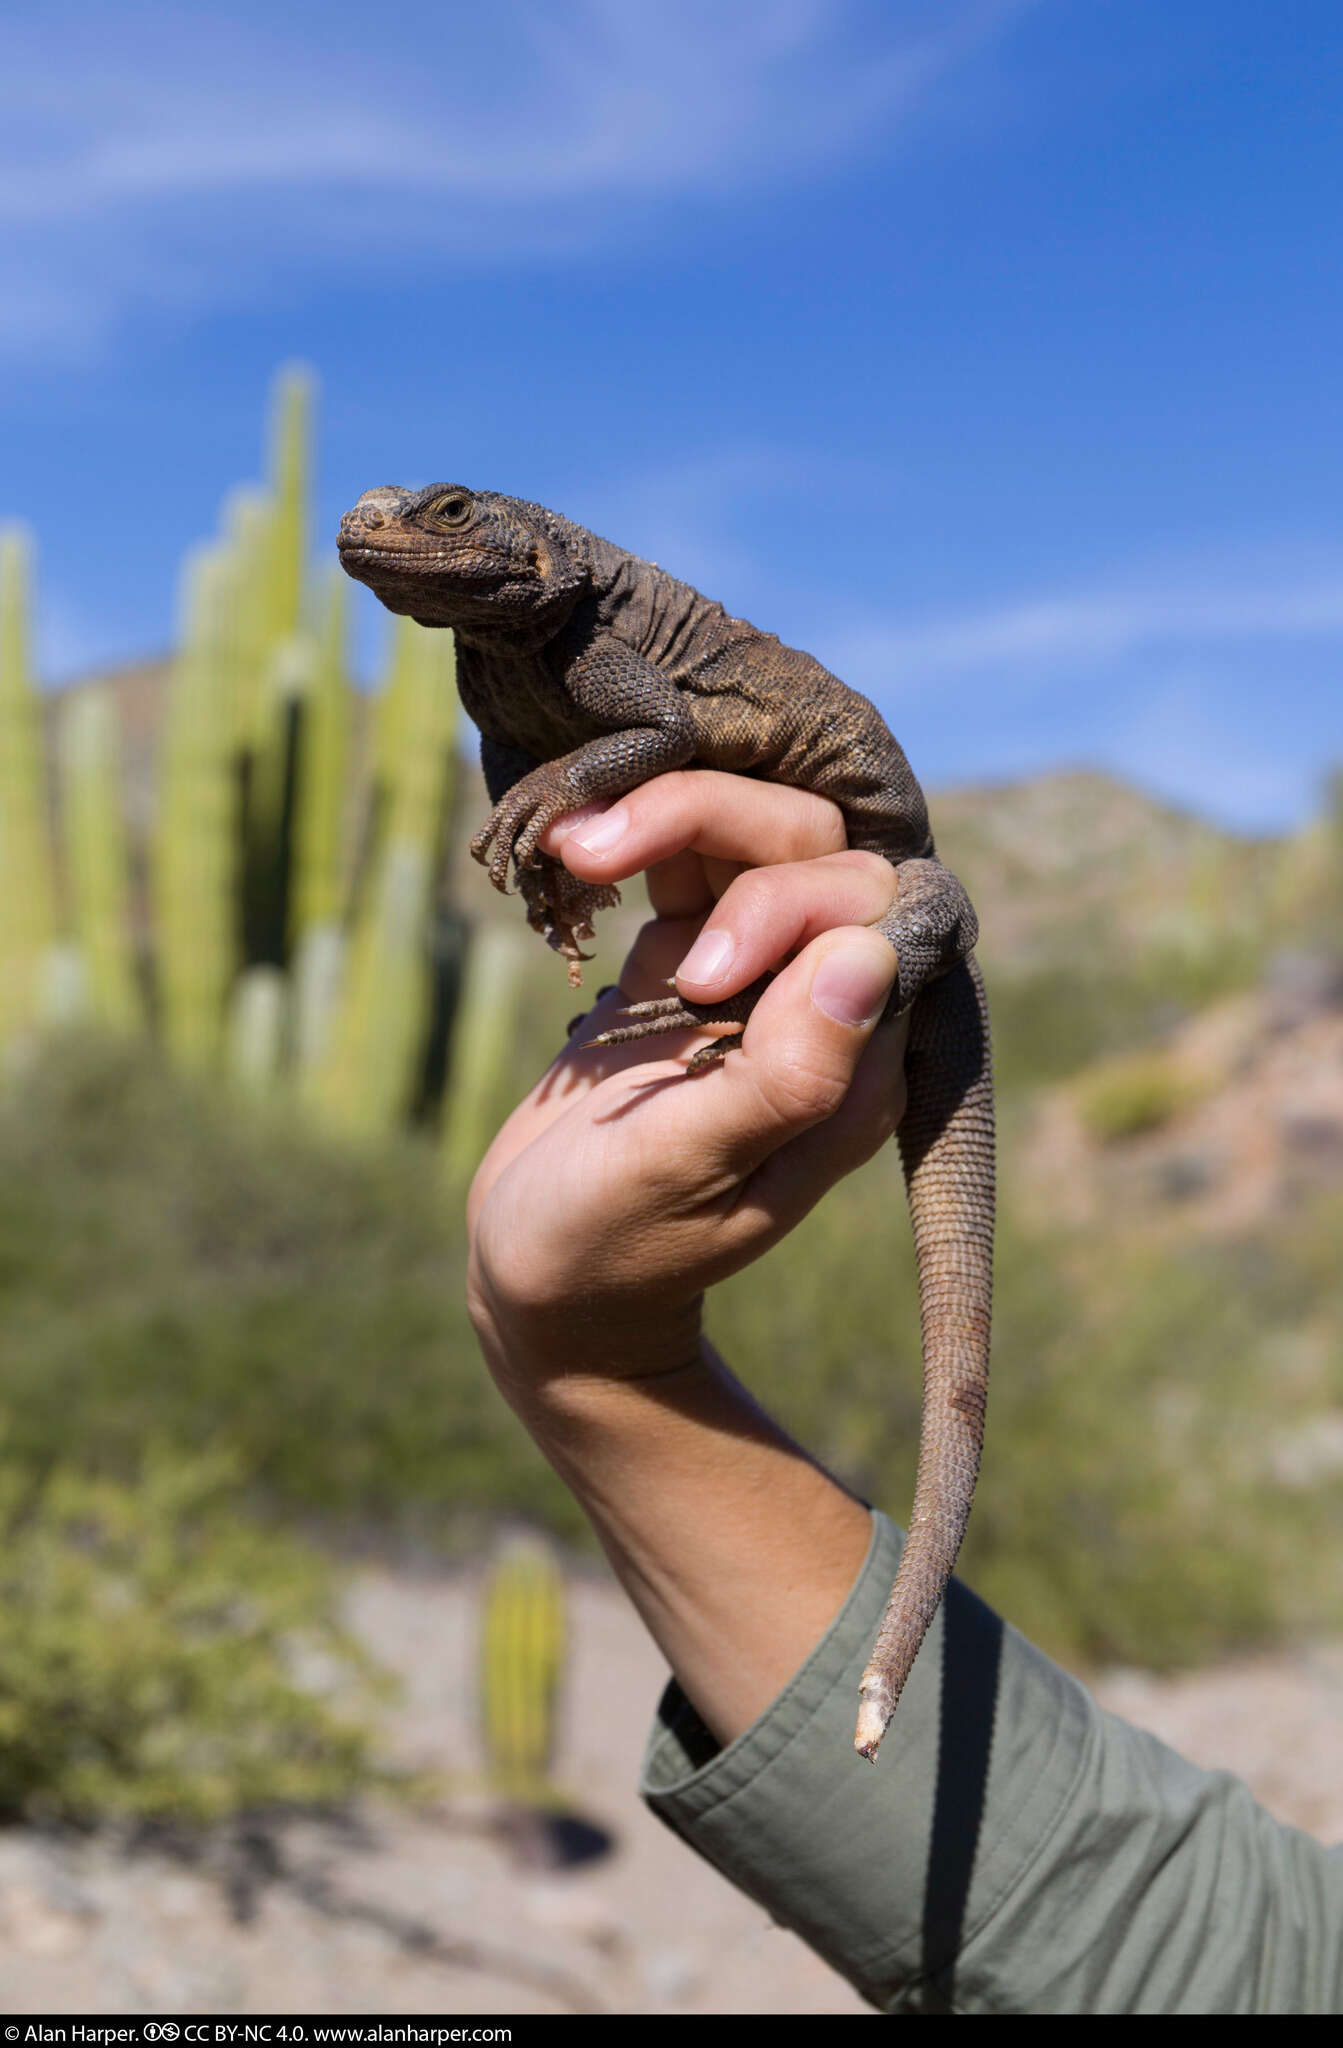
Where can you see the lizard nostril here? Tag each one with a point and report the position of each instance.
(373, 517)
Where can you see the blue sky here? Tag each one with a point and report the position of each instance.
(990, 349)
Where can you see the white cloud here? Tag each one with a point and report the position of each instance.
(1178, 742)
(1038, 636)
(208, 149)
(1215, 684)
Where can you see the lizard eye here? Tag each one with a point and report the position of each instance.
(455, 509)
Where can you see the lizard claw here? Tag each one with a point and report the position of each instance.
(661, 1006)
(480, 845)
(511, 832)
(672, 1013)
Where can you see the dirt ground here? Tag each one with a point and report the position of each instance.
(441, 1913)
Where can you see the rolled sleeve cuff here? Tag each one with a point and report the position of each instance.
(1015, 1849)
(883, 1870)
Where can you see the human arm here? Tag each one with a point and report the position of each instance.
(1016, 1850)
(736, 1548)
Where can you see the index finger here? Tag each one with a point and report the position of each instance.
(731, 821)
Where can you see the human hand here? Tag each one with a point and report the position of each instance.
(621, 1188)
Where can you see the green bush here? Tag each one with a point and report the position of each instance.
(180, 1265)
(152, 1640)
(1128, 1508)
(1139, 1092)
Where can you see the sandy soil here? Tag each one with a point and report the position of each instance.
(441, 1913)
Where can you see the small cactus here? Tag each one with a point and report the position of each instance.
(522, 1656)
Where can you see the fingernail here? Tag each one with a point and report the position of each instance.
(565, 827)
(708, 959)
(600, 834)
(852, 982)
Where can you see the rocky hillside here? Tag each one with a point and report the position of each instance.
(1229, 1124)
(1076, 864)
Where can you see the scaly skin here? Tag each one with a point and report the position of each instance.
(589, 671)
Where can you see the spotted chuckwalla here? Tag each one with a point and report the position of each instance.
(588, 671)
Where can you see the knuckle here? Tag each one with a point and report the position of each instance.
(876, 868)
(821, 831)
(804, 1087)
(683, 787)
(862, 886)
(753, 896)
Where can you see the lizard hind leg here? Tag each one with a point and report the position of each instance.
(726, 1020)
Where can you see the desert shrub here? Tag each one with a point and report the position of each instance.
(1122, 1097)
(1128, 1508)
(152, 1639)
(175, 1265)
(181, 1265)
(1051, 1022)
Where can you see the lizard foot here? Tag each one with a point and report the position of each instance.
(516, 823)
(671, 1013)
(562, 908)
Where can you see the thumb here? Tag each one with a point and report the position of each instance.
(801, 1046)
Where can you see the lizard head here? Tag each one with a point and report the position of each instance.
(449, 556)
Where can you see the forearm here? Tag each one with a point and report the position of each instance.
(619, 1191)
(1015, 1850)
(735, 1547)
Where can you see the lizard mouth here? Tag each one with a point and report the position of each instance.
(413, 563)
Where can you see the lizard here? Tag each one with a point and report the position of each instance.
(588, 671)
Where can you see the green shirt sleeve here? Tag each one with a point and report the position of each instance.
(1015, 1849)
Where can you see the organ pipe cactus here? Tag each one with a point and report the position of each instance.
(96, 858)
(480, 1050)
(290, 892)
(27, 902)
(195, 840)
(368, 1076)
(323, 765)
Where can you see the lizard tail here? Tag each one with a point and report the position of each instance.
(946, 1145)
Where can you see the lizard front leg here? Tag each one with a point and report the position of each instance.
(559, 906)
(650, 732)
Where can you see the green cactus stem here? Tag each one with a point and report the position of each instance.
(195, 865)
(27, 896)
(366, 1081)
(481, 1043)
(523, 1639)
(96, 857)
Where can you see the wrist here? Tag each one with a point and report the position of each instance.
(734, 1546)
(546, 1357)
